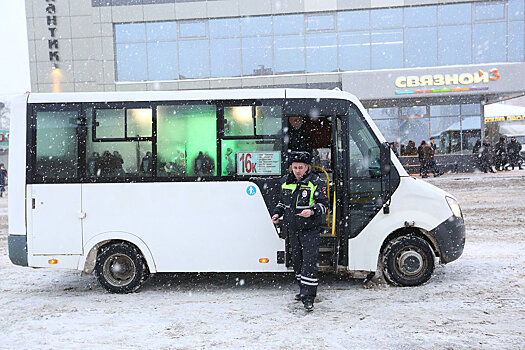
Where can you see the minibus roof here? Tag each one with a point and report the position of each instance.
(230, 94)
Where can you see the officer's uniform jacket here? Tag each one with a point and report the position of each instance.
(307, 193)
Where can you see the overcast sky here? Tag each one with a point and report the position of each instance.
(14, 56)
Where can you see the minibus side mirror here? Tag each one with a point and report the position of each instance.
(384, 157)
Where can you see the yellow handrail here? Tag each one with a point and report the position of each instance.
(327, 194)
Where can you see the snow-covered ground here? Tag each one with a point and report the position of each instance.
(476, 302)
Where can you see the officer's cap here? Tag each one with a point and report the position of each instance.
(300, 157)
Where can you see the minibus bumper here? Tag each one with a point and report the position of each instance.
(450, 236)
(17, 245)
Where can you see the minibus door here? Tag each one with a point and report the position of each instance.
(339, 212)
(54, 198)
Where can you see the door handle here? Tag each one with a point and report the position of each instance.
(81, 215)
(33, 203)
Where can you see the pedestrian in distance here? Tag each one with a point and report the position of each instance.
(513, 151)
(3, 176)
(433, 164)
(420, 157)
(500, 154)
(302, 204)
(486, 157)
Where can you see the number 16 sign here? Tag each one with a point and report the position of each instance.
(258, 163)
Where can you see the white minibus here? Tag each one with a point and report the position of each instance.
(129, 184)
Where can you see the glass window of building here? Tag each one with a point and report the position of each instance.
(192, 29)
(489, 11)
(353, 20)
(413, 112)
(131, 62)
(257, 56)
(455, 14)
(444, 110)
(413, 129)
(387, 49)
(289, 54)
(389, 128)
(420, 16)
(447, 133)
(130, 32)
(321, 52)
(489, 42)
(164, 31)
(256, 26)
(420, 47)
(288, 24)
(194, 59)
(225, 57)
(186, 140)
(516, 38)
(455, 45)
(471, 133)
(163, 61)
(387, 18)
(383, 113)
(320, 22)
(516, 9)
(224, 28)
(354, 50)
(471, 109)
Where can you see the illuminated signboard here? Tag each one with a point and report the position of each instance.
(504, 118)
(442, 80)
(259, 163)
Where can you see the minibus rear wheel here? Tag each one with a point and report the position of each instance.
(121, 268)
(408, 261)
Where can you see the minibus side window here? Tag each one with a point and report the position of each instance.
(365, 182)
(56, 145)
(118, 150)
(252, 141)
(186, 140)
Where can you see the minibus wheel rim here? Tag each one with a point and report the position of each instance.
(410, 262)
(119, 270)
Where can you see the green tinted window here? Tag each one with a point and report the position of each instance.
(186, 140)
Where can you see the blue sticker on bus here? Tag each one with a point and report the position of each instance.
(251, 190)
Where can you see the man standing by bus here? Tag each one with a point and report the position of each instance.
(303, 201)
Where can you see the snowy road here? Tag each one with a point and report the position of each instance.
(476, 302)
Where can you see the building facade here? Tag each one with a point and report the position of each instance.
(423, 68)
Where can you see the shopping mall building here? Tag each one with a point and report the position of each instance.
(424, 68)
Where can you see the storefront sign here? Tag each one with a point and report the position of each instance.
(258, 163)
(51, 19)
(504, 118)
(480, 77)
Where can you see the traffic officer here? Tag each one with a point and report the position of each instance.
(303, 202)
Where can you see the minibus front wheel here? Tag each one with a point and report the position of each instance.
(408, 261)
(121, 268)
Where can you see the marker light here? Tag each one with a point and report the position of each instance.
(53, 261)
(264, 260)
(454, 206)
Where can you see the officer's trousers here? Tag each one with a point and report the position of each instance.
(305, 252)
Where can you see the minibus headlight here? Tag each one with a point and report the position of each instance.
(454, 206)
